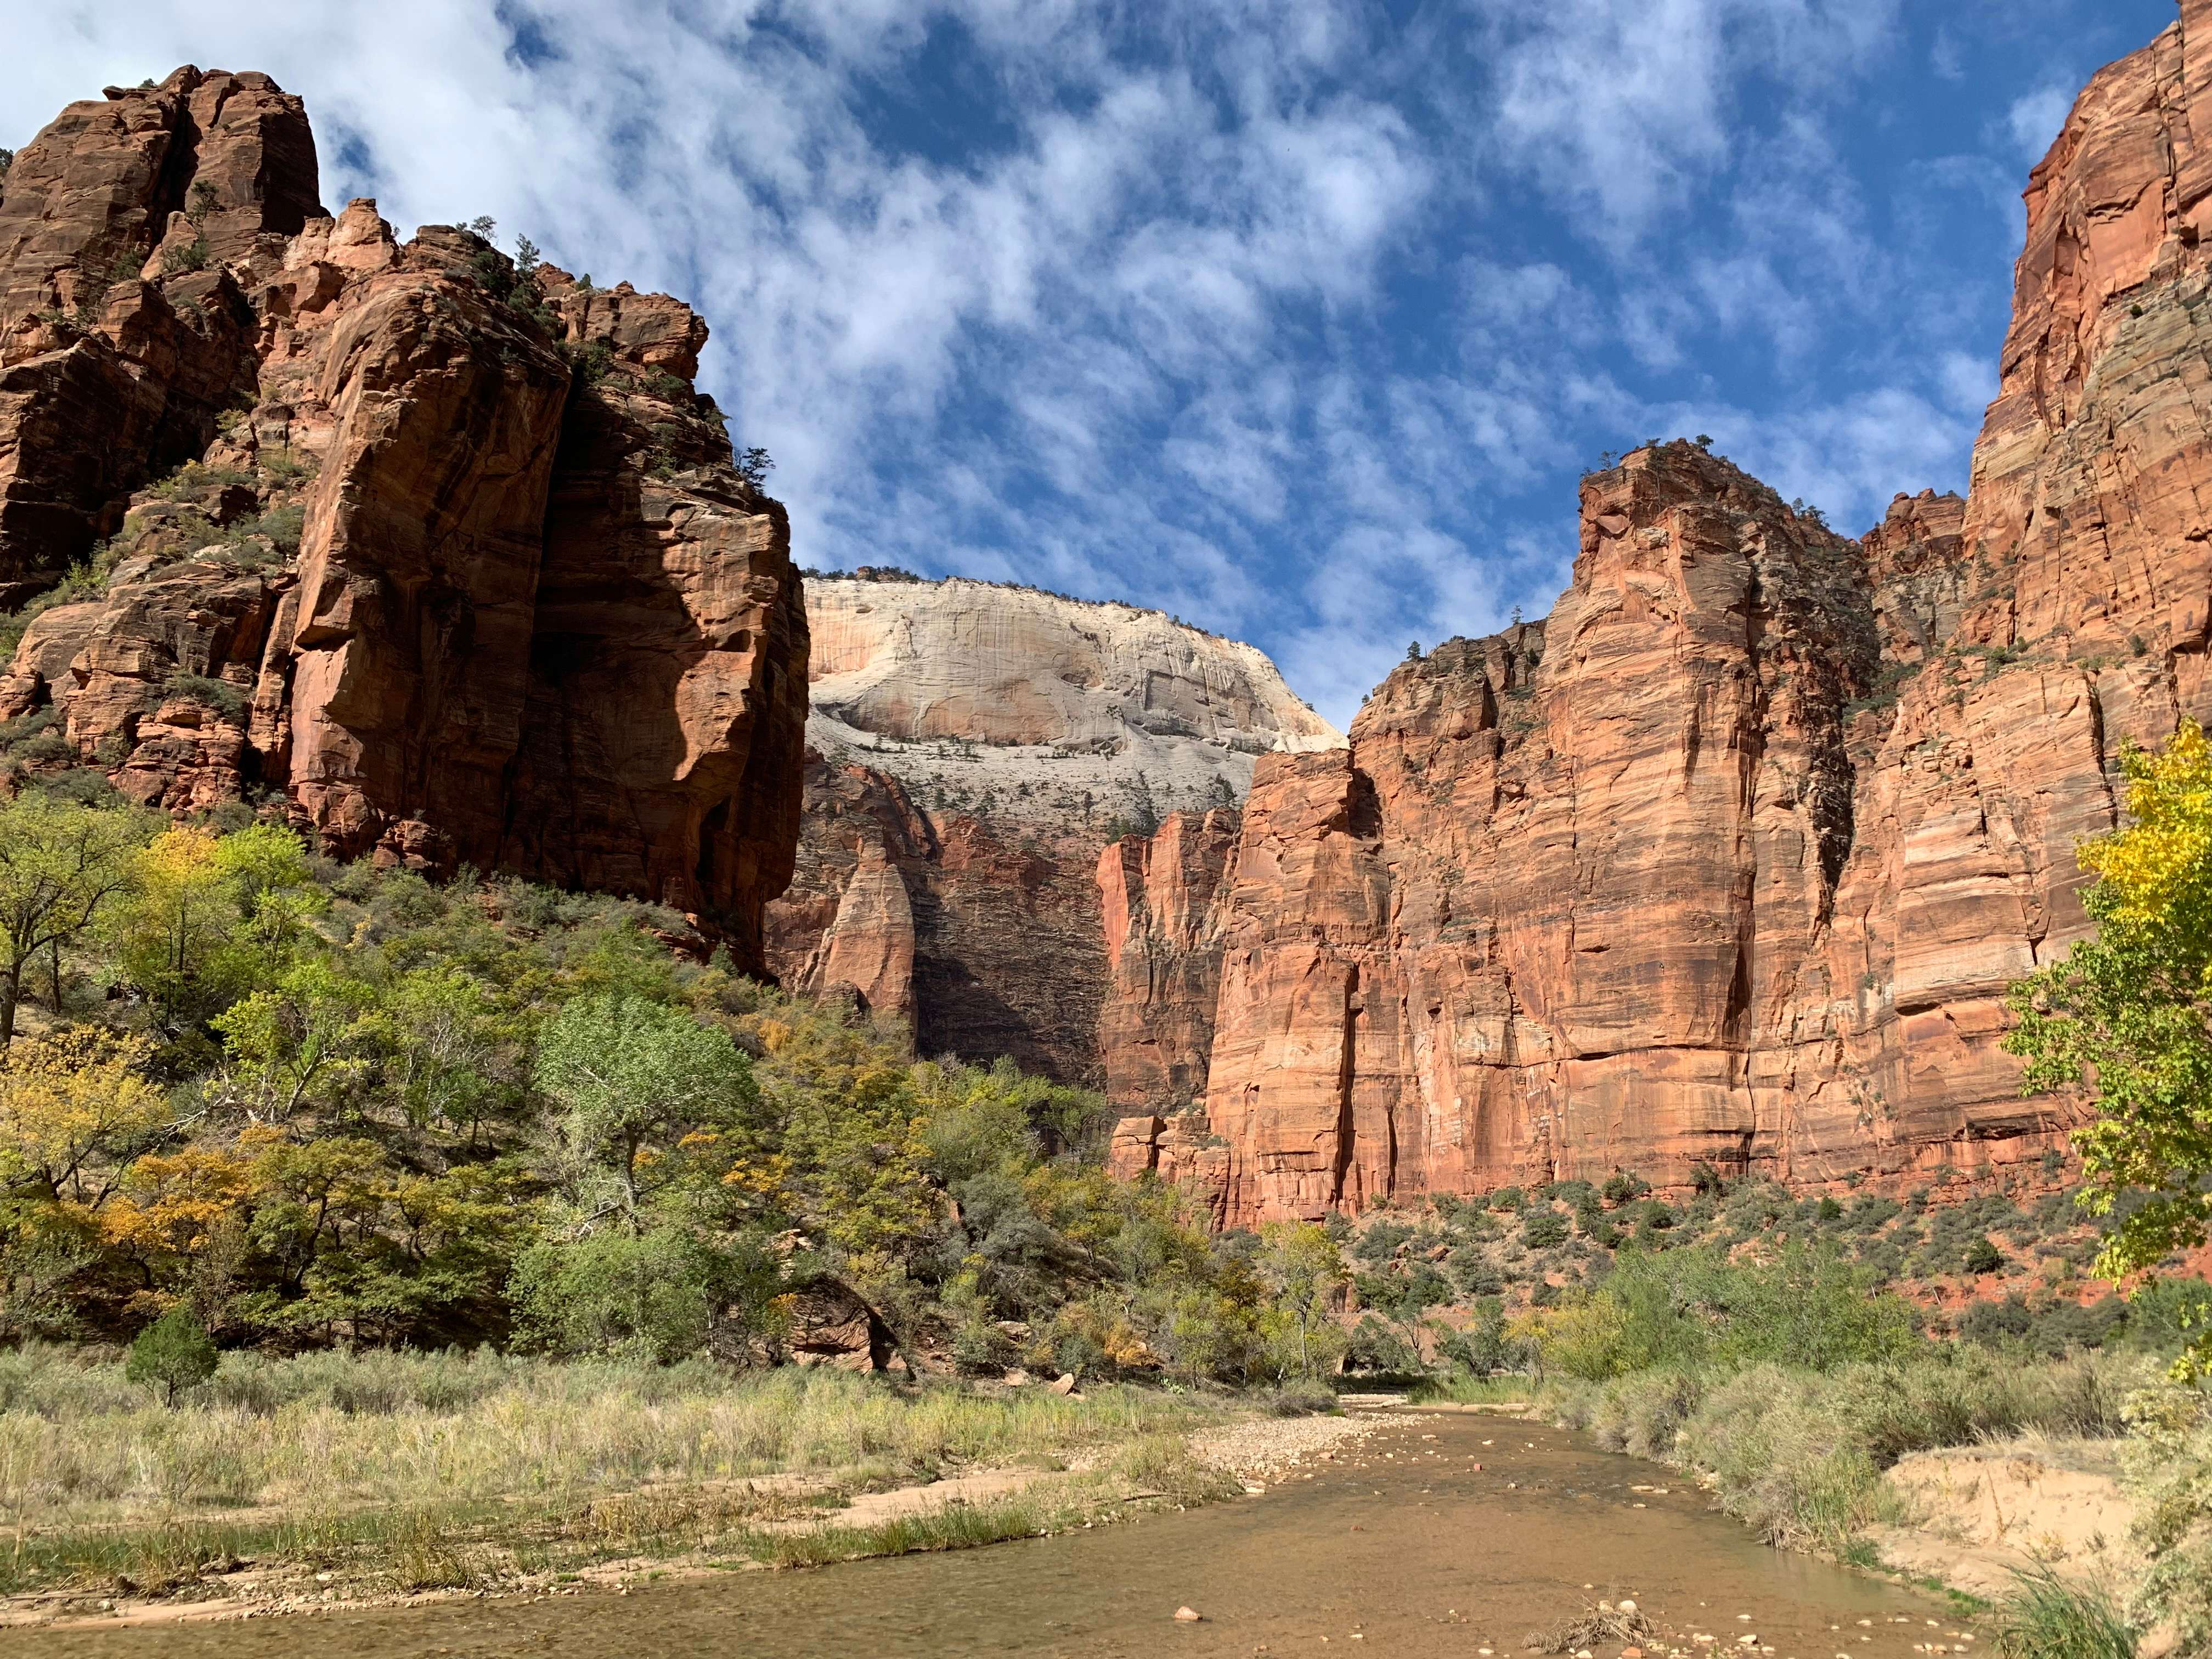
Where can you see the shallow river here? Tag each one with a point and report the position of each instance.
(1400, 1547)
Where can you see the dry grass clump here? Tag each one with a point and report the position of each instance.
(1602, 1623)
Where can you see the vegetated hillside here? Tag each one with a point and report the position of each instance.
(973, 747)
(1460, 1282)
(439, 551)
(1730, 859)
(318, 1103)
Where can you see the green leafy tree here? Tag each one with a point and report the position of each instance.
(659, 1293)
(61, 863)
(2128, 1016)
(209, 916)
(1304, 1276)
(656, 1108)
(303, 1037)
(635, 1079)
(454, 1048)
(173, 1354)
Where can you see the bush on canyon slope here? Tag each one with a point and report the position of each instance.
(321, 1104)
(1809, 1307)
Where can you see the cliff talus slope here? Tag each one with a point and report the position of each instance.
(446, 554)
(1729, 861)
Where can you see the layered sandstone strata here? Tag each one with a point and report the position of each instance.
(459, 564)
(976, 747)
(1730, 862)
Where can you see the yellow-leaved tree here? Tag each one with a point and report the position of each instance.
(74, 1108)
(2128, 1016)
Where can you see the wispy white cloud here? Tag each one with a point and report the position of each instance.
(2033, 120)
(1291, 316)
(1621, 105)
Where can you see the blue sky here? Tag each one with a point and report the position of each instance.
(1299, 318)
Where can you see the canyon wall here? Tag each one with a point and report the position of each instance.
(973, 748)
(445, 557)
(1729, 860)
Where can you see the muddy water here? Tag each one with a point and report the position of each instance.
(1401, 1547)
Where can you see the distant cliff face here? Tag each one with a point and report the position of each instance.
(449, 556)
(1730, 860)
(974, 748)
(1054, 709)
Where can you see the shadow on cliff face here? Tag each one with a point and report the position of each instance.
(652, 760)
(961, 1014)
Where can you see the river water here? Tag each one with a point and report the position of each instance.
(1402, 1546)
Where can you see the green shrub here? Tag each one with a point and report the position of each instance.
(283, 526)
(654, 1296)
(2168, 1468)
(1625, 1188)
(1809, 1307)
(225, 699)
(1379, 1243)
(193, 255)
(591, 363)
(1544, 1230)
(174, 1355)
(36, 737)
(1375, 1348)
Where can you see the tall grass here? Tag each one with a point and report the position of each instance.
(440, 1458)
(2047, 1617)
(1799, 1454)
(1460, 1388)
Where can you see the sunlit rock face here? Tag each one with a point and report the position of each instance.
(462, 571)
(974, 748)
(1729, 860)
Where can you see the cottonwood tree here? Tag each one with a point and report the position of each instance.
(75, 1107)
(2127, 1015)
(635, 1079)
(654, 1104)
(60, 864)
(207, 917)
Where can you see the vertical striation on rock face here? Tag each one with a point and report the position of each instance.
(665, 734)
(1164, 957)
(985, 743)
(459, 563)
(418, 573)
(1730, 862)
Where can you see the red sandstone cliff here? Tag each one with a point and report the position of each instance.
(459, 563)
(976, 748)
(1731, 860)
